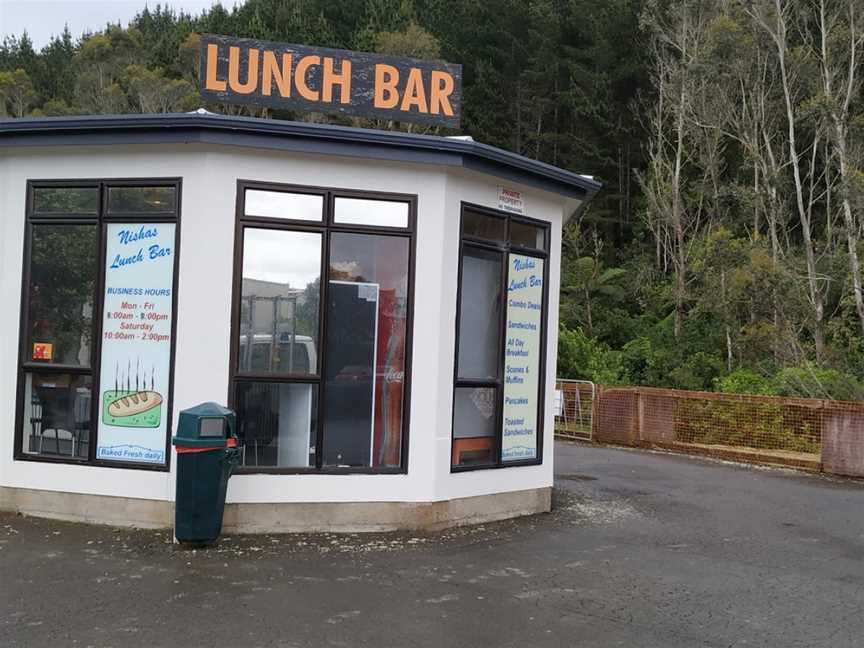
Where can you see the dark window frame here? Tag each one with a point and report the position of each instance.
(100, 219)
(325, 227)
(505, 249)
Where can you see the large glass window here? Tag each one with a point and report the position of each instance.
(480, 308)
(319, 370)
(497, 393)
(279, 302)
(367, 310)
(63, 269)
(93, 336)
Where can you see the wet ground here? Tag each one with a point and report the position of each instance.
(643, 549)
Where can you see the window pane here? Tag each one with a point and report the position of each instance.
(60, 300)
(367, 306)
(384, 213)
(128, 200)
(482, 226)
(279, 303)
(280, 204)
(57, 415)
(66, 200)
(277, 423)
(480, 315)
(529, 236)
(474, 419)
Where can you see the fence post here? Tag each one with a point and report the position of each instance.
(595, 408)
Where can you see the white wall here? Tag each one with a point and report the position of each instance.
(209, 177)
(483, 190)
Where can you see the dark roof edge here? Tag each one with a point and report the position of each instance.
(449, 151)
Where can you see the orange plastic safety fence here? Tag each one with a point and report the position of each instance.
(808, 433)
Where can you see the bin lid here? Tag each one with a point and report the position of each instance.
(189, 428)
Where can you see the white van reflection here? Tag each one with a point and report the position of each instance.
(289, 354)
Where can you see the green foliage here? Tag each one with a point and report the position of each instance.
(809, 381)
(17, 93)
(584, 358)
(745, 381)
(414, 41)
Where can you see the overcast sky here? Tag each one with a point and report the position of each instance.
(44, 18)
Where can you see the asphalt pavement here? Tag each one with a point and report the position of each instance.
(643, 549)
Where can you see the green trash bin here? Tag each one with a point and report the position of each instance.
(207, 454)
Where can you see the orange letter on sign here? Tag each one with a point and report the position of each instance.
(211, 82)
(415, 94)
(439, 97)
(270, 72)
(343, 80)
(234, 71)
(300, 77)
(386, 78)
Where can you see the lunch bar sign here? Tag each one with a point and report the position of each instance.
(316, 79)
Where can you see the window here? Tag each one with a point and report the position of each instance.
(361, 211)
(96, 344)
(279, 301)
(321, 320)
(284, 204)
(500, 345)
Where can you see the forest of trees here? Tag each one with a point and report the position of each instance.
(724, 252)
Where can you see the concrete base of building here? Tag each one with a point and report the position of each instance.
(93, 509)
(353, 517)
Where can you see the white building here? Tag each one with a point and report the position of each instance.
(400, 293)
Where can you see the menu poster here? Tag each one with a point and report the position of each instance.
(522, 357)
(136, 342)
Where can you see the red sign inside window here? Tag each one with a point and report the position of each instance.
(43, 351)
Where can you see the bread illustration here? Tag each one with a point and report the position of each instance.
(133, 404)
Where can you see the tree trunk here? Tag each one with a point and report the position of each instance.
(839, 111)
(849, 221)
(815, 292)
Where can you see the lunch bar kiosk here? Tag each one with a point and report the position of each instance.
(379, 309)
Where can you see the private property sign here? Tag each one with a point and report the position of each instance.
(317, 79)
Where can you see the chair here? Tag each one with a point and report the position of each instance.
(82, 417)
(258, 424)
(53, 413)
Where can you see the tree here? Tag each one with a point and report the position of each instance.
(17, 94)
(101, 62)
(585, 279)
(838, 48)
(677, 47)
(151, 92)
(775, 16)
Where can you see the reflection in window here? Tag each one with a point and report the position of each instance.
(127, 200)
(480, 314)
(477, 225)
(279, 303)
(62, 279)
(474, 425)
(526, 235)
(277, 423)
(57, 415)
(367, 306)
(281, 204)
(360, 211)
(66, 200)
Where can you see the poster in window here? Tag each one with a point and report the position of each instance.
(136, 342)
(522, 357)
